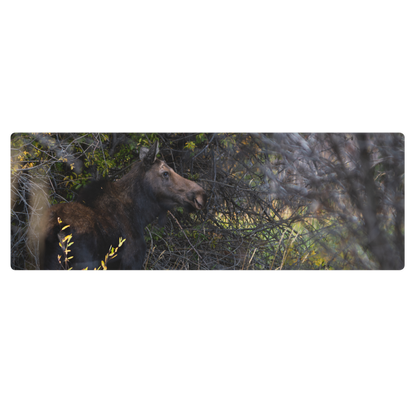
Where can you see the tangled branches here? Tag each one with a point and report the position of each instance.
(291, 201)
(276, 201)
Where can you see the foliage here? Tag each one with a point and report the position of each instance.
(112, 254)
(275, 201)
(65, 242)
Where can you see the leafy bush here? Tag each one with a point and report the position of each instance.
(275, 201)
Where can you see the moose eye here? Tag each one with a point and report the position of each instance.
(165, 174)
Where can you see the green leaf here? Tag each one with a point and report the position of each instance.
(190, 145)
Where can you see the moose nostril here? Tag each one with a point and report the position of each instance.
(200, 200)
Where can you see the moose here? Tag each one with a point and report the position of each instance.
(106, 211)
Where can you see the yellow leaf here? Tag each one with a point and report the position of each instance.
(68, 237)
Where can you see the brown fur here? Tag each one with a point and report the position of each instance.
(106, 211)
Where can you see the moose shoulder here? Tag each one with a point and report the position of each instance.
(106, 211)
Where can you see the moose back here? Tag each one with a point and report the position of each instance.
(104, 212)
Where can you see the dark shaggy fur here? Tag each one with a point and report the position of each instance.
(106, 211)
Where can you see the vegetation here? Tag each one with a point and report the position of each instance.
(65, 242)
(275, 201)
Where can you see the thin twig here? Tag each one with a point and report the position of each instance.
(177, 222)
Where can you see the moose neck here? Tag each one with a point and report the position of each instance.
(133, 191)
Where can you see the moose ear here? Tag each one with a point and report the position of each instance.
(143, 152)
(148, 156)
